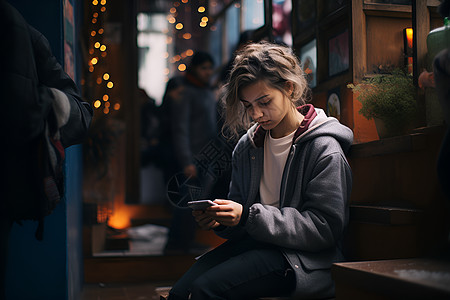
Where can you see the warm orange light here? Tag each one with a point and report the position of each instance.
(100, 31)
(183, 55)
(95, 15)
(94, 20)
(106, 76)
(179, 26)
(116, 106)
(94, 61)
(409, 37)
(102, 48)
(99, 80)
(172, 20)
(97, 103)
(104, 54)
(189, 52)
(105, 97)
(201, 9)
(203, 24)
(103, 2)
(182, 67)
(97, 45)
(110, 85)
(91, 69)
(93, 33)
(107, 104)
(106, 110)
(103, 9)
(95, 2)
(91, 51)
(187, 36)
(119, 220)
(205, 19)
(185, 1)
(176, 4)
(173, 10)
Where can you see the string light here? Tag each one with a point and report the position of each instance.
(106, 110)
(187, 36)
(110, 85)
(94, 20)
(179, 26)
(102, 48)
(97, 45)
(103, 9)
(97, 103)
(91, 51)
(173, 10)
(203, 24)
(105, 97)
(104, 54)
(95, 2)
(182, 67)
(105, 76)
(100, 31)
(93, 33)
(95, 15)
(201, 9)
(205, 19)
(116, 106)
(189, 52)
(107, 104)
(99, 80)
(176, 4)
(185, 1)
(103, 2)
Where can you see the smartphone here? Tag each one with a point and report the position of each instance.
(201, 204)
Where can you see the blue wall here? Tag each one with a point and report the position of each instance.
(50, 269)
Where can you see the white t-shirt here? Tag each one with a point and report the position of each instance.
(276, 152)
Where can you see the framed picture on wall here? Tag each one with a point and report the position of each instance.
(334, 103)
(308, 60)
(338, 53)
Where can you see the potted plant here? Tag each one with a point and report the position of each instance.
(390, 99)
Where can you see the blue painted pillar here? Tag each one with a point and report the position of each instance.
(50, 269)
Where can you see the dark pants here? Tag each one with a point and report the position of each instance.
(5, 229)
(243, 269)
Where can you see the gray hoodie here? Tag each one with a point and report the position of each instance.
(313, 214)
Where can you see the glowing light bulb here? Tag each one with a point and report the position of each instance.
(103, 48)
(106, 110)
(173, 10)
(116, 106)
(201, 9)
(103, 2)
(106, 76)
(100, 31)
(110, 85)
(95, 2)
(103, 9)
(105, 97)
(179, 26)
(94, 20)
(205, 19)
(182, 67)
(189, 52)
(97, 103)
(94, 60)
(203, 24)
(187, 36)
(95, 15)
(107, 104)
(99, 80)
(97, 45)
(93, 33)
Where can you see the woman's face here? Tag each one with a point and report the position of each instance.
(266, 105)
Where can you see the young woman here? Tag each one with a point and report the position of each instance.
(287, 207)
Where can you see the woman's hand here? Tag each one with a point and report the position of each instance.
(227, 213)
(204, 221)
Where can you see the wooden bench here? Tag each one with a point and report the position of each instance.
(392, 279)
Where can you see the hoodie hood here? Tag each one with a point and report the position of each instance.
(315, 124)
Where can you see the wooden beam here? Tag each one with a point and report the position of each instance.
(359, 44)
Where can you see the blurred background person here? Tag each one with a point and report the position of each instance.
(193, 118)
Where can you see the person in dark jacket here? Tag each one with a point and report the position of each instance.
(42, 113)
(193, 120)
(287, 208)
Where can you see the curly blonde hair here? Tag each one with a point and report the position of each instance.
(274, 64)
